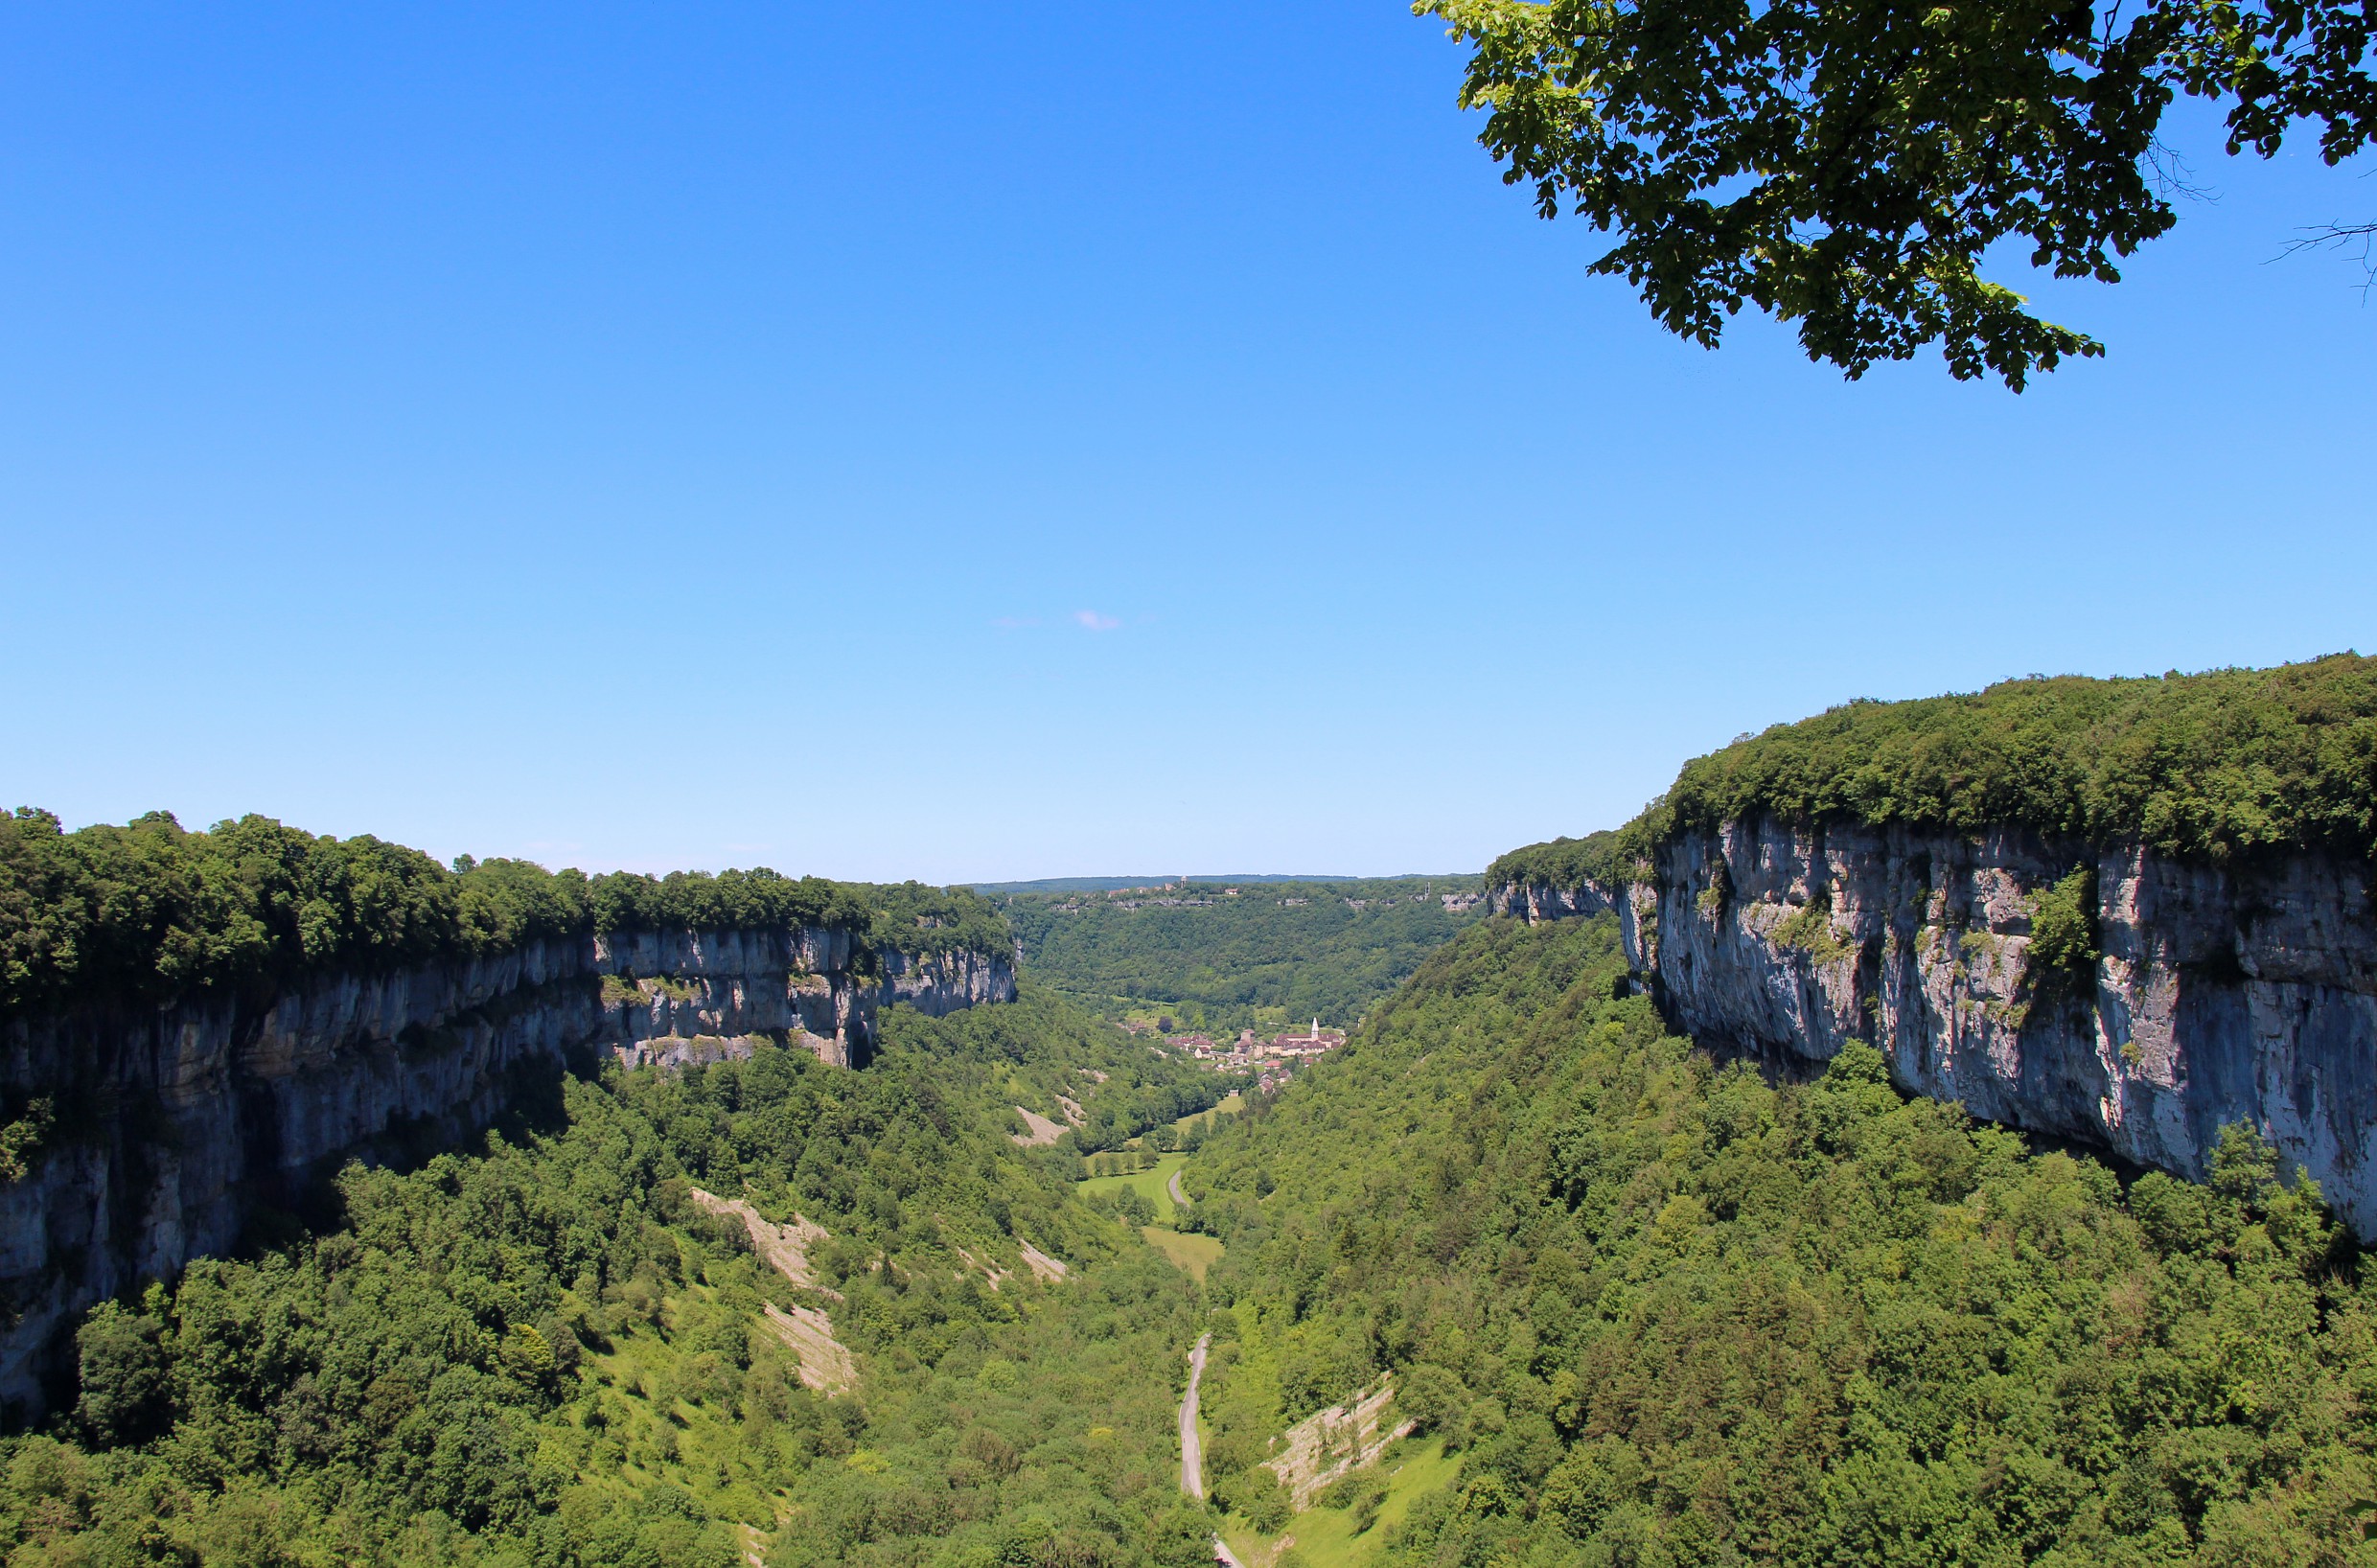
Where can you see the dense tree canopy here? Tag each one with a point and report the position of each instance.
(2230, 762)
(544, 1353)
(151, 910)
(1646, 1307)
(1847, 164)
(1669, 1313)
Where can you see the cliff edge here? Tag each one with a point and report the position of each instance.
(2172, 928)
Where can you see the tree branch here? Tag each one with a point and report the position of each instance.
(2340, 237)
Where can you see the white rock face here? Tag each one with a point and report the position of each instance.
(170, 1121)
(2223, 994)
(940, 984)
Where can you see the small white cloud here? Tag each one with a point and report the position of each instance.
(1092, 620)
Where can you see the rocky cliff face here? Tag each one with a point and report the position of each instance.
(2245, 993)
(940, 984)
(170, 1122)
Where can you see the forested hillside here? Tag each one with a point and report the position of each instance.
(1661, 1311)
(549, 1351)
(1270, 951)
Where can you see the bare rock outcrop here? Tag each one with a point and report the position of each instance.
(942, 983)
(1040, 1132)
(1335, 1442)
(783, 1248)
(826, 1365)
(1044, 1268)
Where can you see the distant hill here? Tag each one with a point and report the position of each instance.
(1071, 884)
(1107, 884)
(1300, 947)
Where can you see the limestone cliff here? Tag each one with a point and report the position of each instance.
(2244, 992)
(942, 983)
(171, 1121)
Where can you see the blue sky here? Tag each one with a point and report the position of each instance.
(956, 443)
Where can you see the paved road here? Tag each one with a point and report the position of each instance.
(1191, 1452)
(1178, 1196)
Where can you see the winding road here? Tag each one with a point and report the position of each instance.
(1191, 1451)
(1178, 1196)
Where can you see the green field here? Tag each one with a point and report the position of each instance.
(1231, 1105)
(1325, 1537)
(1155, 1186)
(1193, 1254)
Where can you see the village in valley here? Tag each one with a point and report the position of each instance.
(1123, 943)
(1272, 1060)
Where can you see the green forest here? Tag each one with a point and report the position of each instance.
(543, 1351)
(2225, 763)
(1656, 1311)
(1271, 952)
(1638, 1308)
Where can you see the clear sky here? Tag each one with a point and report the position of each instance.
(965, 443)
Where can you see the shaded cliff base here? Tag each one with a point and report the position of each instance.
(1780, 1067)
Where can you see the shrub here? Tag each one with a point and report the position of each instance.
(122, 1372)
(2063, 924)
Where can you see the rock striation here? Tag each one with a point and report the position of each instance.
(2222, 993)
(172, 1122)
(1324, 1447)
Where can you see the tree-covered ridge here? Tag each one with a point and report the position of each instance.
(2230, 762)
(1604, 858)
(1296, 948)
(545, 1353)
(915, 918)
(1668, 1313)
(146, 911)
